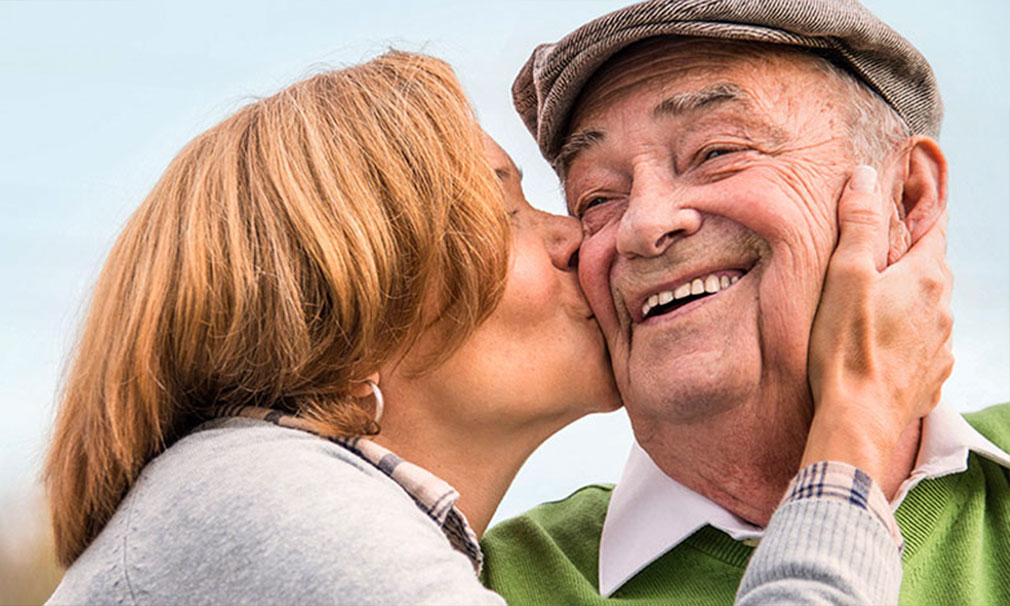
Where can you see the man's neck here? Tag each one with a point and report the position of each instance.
(723, 460)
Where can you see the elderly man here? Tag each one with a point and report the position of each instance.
(703, 146)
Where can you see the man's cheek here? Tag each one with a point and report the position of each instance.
(599, 296)
(786, 307)
(595, 261)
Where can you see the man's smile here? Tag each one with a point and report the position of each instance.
(682, 292)
(694, 270)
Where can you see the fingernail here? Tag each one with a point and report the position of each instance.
(864, 178)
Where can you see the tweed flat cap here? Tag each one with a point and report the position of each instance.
(548, 86)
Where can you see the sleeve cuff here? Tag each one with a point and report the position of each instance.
(836, 481)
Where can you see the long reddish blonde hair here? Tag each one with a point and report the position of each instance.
(284, 254)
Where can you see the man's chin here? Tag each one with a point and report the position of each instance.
(684, 402)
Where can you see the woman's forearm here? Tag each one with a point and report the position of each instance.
(833, 540)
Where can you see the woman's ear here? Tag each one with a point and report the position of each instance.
(920, 195)
(361, 389)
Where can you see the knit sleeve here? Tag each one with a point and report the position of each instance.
(833, 540)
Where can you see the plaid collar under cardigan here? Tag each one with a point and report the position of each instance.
(433, 496)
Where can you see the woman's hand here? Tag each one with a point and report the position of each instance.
(880, 346)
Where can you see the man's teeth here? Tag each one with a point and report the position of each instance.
(712, 283)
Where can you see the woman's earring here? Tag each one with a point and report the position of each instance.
(379, 402)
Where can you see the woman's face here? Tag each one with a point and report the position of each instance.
(540, 355)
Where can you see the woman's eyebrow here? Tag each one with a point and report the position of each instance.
(505, 172)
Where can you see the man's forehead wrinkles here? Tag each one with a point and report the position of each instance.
(576, 144)
(683, 103)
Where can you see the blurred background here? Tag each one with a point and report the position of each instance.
(99, 96)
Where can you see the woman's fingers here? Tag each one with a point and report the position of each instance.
(923, 270)
(862, 237)
(842, 334)
(929, 251)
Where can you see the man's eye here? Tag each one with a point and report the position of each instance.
(591, 202)
(715, 153)
(599, 211)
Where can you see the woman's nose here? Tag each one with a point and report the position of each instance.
(562, 237)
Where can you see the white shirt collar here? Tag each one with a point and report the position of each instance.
(651, 513)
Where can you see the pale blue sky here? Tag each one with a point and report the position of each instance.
(98, 96)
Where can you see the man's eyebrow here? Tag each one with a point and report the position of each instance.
(718, 94)
(683, 103)
(574, 145)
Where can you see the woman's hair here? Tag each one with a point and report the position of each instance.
(285, 254)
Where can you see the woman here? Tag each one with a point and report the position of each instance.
(346, 233)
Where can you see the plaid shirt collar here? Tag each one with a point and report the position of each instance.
(433, 495)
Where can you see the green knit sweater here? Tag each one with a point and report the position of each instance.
(956, 530)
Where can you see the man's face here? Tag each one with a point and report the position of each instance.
(696, 167)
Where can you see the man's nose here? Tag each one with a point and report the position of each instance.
(562, 237)
(657, 213)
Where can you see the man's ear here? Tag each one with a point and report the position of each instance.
(920, 194)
